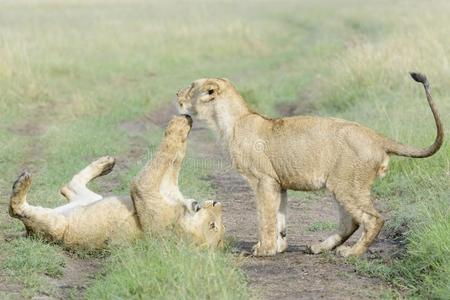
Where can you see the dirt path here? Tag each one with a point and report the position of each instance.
(78, 274)
(295, 274)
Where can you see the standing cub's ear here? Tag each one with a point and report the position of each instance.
(211, 90)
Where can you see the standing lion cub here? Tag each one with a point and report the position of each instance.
(302, 153)
(90, 220)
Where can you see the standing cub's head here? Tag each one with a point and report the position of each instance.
(200, 98)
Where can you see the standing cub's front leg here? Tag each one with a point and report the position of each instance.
(282, 244)
(268, 198)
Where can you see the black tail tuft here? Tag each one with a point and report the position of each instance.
(419, 78)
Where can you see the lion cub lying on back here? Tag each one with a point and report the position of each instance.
(90, 220)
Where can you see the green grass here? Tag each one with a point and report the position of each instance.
(321, 226)
(424, 269)
(30, 261)
(71, 73)
(197, 274)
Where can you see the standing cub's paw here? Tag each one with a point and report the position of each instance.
(259, 250)
(19, 192)
(345, 251)
(282, 243)
(316, 248)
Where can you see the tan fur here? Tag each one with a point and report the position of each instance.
(302, 153)
(92, 221)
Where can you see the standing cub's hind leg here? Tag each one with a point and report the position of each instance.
(351, 187)
(372, 225)
(77, 185)
(360, 207)
(347, 226)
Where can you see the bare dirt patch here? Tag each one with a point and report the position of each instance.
(77, 275)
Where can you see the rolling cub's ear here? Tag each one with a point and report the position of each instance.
(211, 89)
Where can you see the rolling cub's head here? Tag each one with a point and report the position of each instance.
(205, 226)
(201, 97)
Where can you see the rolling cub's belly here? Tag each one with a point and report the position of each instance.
(108, 220)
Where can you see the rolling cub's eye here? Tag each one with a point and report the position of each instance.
(212, 225)
(210, 92)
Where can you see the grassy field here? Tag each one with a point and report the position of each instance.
(72, 72)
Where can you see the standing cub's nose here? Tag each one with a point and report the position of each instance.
(189, 119)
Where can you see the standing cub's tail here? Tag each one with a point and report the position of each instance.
(394, 147)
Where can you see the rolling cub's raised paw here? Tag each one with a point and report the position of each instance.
(19, 192)
(104, 164)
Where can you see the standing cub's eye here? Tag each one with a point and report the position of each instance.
(212, 225)
(210, 92)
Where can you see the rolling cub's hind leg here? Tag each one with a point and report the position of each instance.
(347, 226)
(39, 220)
(76, 189)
